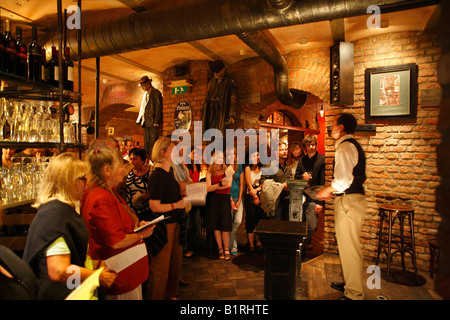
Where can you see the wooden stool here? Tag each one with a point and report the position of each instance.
(389, 213)
(434, 254)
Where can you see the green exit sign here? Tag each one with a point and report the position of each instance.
(179, 90)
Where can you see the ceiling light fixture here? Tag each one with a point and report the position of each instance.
(303, 41)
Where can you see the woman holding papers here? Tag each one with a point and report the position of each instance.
(58, 239)
(111, 225)
(218, 205)
(166, 243)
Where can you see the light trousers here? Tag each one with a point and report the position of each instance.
(350, 210)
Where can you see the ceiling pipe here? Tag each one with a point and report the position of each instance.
(259, 43)
(184, 21)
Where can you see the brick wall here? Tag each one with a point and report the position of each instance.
(197, 73)
(401, 155)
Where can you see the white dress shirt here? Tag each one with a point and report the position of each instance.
(345, 159)
(142, 109)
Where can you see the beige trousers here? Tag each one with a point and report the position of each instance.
(165, 268)
(349, 214)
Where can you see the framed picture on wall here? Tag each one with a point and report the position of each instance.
(391, 92)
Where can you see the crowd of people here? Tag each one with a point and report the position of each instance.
(88, 211)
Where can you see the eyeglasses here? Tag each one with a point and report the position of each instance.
(82, 179)
(310, 145)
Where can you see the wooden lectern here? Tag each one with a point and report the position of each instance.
(281, 241)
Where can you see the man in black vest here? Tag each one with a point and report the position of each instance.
(350, 208)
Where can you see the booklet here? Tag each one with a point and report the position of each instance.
(160, 218)
(196, 193)
(228, 173)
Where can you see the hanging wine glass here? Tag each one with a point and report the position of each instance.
(42, 124)
(26, 120)
(2, 117)
(11, 113)
(34, 123)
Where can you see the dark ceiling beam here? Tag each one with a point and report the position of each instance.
(198, 46)
(133, 5)
(106, 74)
(433, 22)
(136, 64)
(338, 30)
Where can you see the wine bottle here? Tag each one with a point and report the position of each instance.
(10, 46)
(53, 68)
(2, 49)
(68, 71)
(44, 67)
(34, 58)
(21, 55)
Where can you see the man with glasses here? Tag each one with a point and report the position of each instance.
(311, 168)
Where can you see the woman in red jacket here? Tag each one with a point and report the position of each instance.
(111, 225)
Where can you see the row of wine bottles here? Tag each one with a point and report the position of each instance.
(31, 62)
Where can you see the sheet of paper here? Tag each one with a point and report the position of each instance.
(126, 258)
(196, 193)
(228, 174)
(229, 171)
(85, 290)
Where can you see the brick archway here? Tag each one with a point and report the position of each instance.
(123, 93)
(309, 70)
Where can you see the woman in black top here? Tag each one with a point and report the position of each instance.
(166, 248)
(137, 184)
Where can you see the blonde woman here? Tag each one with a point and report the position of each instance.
(58, 238)
(218, 205)
(111, 223)
(166, 244)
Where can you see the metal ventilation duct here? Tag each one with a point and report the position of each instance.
(190, 20)
(259, 43)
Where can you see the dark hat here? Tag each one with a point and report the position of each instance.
(143, 80)
(216, 66)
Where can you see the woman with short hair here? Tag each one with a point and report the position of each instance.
(111, 224)
(58, 238)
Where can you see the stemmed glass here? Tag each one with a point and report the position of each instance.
(18, 127)
(24, 121)
(2, 117)
(11, 114)
(34, 124)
